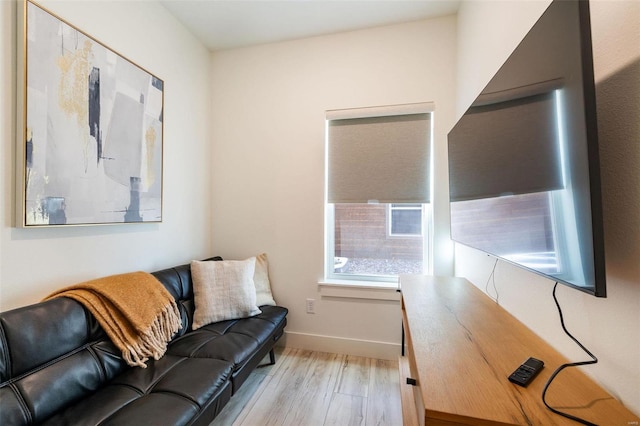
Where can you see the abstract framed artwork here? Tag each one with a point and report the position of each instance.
(90, 129)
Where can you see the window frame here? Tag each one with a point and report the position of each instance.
(410, 206)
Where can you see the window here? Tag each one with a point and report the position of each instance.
(405, 220)
(378, 191)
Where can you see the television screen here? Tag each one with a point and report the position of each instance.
(523, 159)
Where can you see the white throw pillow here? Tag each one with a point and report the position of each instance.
(261, 280)
(223, 290)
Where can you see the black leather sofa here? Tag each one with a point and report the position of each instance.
(58, 367)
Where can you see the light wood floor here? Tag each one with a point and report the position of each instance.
(308, 388)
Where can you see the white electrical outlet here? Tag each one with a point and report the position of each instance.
(311, 306)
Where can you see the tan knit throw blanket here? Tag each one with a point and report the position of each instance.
(135, 310)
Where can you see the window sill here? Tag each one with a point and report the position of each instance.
(351, 289)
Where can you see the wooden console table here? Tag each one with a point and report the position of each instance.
(460, 347)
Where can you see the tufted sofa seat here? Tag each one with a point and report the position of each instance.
(58, 367)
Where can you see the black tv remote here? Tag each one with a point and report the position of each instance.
(526, 372)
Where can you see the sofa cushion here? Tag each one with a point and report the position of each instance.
(223, 290)
(172, 390)
(178, 282)
(262, 282)
(234, 340)
(233, 347)
(230, 340)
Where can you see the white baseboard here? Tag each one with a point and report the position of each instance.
(341, 345)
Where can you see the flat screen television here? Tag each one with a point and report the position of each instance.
(523, 159)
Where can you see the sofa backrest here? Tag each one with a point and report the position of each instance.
(52, 354)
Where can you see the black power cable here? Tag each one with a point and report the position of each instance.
(563, 366)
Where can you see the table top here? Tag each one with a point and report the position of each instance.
(466, 346)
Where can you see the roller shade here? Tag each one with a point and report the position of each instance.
(383, 158)
(508, 147)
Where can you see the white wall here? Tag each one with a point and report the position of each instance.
(488, 32)
(268, 117)
(36, 261)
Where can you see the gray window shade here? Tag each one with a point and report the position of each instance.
(509, 147)
(379, 158)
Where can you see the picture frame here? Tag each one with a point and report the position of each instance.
(90, 129)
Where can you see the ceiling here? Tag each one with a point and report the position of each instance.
(226, 24)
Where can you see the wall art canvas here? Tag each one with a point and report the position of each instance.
(90, 139)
